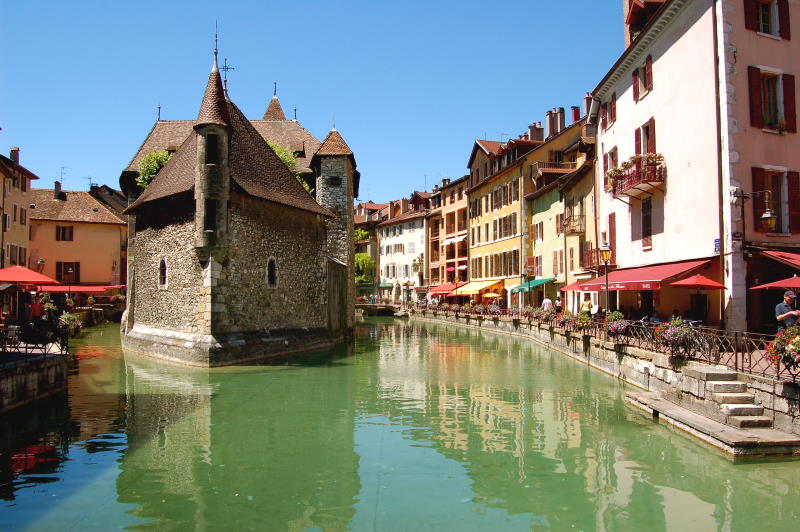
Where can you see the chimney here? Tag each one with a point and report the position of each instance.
(57, 190)
(548, 124)
(560, 114)
(536, 131)
(445, 182)
(14, 155)
(576, 113)
(587, 103)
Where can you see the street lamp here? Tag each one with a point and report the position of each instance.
(769, 218)
(605, 256)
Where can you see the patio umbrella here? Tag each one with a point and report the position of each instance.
(698, 282)
(790, 283)
(22, 275)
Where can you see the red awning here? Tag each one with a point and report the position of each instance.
(644, 278)
(76, 288)
(445, 288)
(792, 259)
(577, 285)
(792, 283)
(23, 275)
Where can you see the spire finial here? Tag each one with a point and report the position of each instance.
(295, 113)
(274, 89)
(158, 117)
(216, 39)
(334, 123)
(225, 68)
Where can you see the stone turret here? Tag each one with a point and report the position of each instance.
(337, 185)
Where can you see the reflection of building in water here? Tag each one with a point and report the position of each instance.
(221, 447)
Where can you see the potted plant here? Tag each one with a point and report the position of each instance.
(785, 347)
(653, 159)
(615, 323)
(72, 322)
(90, 301)
(674, 337)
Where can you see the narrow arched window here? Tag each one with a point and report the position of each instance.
(162, 273)
(272, 274)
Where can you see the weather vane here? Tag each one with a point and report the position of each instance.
(225, 68)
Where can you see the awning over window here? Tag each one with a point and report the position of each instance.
(454, 240)
(386, 285)
(445, 288)
(474, 287)
(644, 278)
(530, 285)
(574, 287)
(792, 259)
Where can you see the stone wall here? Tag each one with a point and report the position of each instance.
(651, 371)
(32, 380)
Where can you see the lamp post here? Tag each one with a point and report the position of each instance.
(605, 255)
(769, 217)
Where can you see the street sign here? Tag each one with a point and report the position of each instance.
(716, 245)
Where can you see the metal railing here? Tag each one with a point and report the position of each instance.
(546, 166)
(574, 225)
(651, 175)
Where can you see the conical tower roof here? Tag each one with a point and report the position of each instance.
(334, 144)
(214, 108)
(274, 110)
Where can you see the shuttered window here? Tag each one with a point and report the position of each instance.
(767, 108)
(768, 16)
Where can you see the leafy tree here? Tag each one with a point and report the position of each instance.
(365, 268)
(361, 234)
(290, 160)
(150, 165)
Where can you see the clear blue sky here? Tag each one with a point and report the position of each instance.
(410, 84)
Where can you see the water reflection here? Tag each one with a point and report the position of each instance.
(413, 426)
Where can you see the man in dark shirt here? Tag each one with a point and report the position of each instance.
(785, 312)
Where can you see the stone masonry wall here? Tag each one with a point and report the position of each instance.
(260, 231)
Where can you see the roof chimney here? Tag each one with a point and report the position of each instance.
(548, 124)
(535, 131)
(57, 190)
(587, 104)
(14, 155)
(560, 116)
(576, 113)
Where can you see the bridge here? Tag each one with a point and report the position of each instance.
(378, 309)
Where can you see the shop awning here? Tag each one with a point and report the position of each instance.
(386, 285)
(644, 278)
(792, 259)
(474, 287)
(530, 285)
(445, 288)
(574, 287)
(23, 275)
(454, 240)
(76, 288)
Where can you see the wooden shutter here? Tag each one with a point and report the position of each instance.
(59, 271)
(751, 14)
(783, 19)
(605, 169)
(648, 68)
(754, 80)
(651, 139)
(613, 112)
(555, 263)
(604, 116)
(637, 141)
(793, 182)
(635, 83)
(789, 105)
(612, 236)
(758, 202)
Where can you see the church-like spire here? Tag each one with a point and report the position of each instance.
(214, 109)
(274, 110)
(334, 144)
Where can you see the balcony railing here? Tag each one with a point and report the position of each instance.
(640, 180)
(545, 167)
(591, 260)
(574, 225)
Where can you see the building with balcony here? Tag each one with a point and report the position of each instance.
(714, 83)
(452, 232)
(16, 181)
(434, 235)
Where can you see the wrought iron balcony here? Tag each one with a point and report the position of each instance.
(637, 181)
(591, 260)
(574, 225)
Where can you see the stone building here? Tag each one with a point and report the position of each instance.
(230, 259)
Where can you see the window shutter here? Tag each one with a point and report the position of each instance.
(758, 202)
(637, 141)
(612, 236)
(59, 270)
(555, 263)
(783, 19)
(648, 67)
(605, 169)
(751, 14)
(613, 112)
(604, 116)
(793, 181)
(635, 83)
(789, 105)
(754, 80)
(651, 139)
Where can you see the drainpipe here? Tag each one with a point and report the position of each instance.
(720, 183)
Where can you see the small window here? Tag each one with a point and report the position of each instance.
(162, 273)
(212, 149)
(210, 218)
(335, 181)
(64, 233)
(272, 274)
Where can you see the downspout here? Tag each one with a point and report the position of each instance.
(720, 184)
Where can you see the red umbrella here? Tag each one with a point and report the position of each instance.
(791, 282)
(698, 282)
(22, 275)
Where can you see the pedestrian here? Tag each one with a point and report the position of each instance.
(785, 312)
(547, 304)
(586, 306)
(559, 307)
(37, 308)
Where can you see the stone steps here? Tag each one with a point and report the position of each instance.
(711, 374)
(733, 398)
(744, 422)
(742, 410)
(726, 387)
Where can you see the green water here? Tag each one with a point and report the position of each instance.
(414, 427)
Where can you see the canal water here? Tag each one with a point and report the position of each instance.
(413, 427)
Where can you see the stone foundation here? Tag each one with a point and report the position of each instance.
(223, 350)
(31, 380)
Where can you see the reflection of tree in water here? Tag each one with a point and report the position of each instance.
(265, 448)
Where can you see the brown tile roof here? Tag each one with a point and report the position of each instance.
(489, 146)
(213, 109)
(253, 166)
(359, 219)
(11, 166)
(165, 134)
(274, 110)
(77, 206)
(410, 215)
(292, 135)
(334, 144)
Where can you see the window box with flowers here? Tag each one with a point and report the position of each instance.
(614, 174)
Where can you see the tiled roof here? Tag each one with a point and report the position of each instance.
(213, 109)
(334, 144)
(489, 146)
(292, 135)
(274, 110)
(410, 215)
(77, 206)
(253, 166)
(422, 194)
(11, 166)
(165, 134)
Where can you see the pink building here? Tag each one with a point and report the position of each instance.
(695, 126)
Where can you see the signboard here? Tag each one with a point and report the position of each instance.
(716, 245)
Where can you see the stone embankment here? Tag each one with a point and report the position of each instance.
(739, 413)
(32, 378)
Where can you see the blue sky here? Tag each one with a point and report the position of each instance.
(409, 84)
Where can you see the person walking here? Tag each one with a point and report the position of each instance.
(586, 305)
(547, 304)
(785, 312)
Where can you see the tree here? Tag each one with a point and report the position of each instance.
(150, 165)
(290, 160)
(361, 234)
(365, 268)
